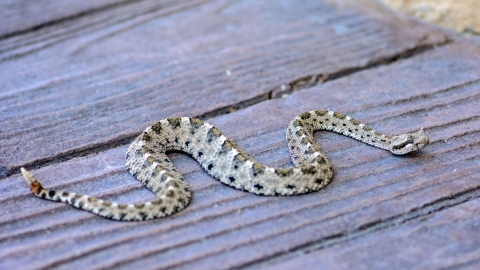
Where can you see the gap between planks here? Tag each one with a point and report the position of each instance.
(426, 209)
(68, 18)
(302, 83)
(366, 229)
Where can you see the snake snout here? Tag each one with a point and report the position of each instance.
(407, 143)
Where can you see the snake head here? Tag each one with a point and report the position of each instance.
(406, 143)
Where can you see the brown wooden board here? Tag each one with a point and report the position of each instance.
(372, 190)
(91, 83)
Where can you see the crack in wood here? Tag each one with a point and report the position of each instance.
(248, 264)
(313, 80)
(335, 236)
(369, 228)
(441, 92)
(296, 85)
(74, 153)
(129, 21)
(68, 18)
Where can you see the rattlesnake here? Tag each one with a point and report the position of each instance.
(223, 159)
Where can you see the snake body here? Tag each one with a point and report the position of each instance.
(223, 159)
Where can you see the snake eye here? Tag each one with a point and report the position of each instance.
(403, 144)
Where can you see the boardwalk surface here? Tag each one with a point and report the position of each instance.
(80, 81)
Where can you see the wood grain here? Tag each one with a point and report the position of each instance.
(445, 239)
(92, 83)
(226, 228)
(17, 17)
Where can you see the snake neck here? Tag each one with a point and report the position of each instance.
(300, 131)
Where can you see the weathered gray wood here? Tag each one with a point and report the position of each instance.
(21, 16)
(93, 83)
(448, 239)
(223, 227)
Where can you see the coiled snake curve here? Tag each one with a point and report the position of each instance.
(223, 159)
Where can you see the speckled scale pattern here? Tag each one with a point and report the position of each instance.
(223, 159)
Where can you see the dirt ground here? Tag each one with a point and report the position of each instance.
(462, 16)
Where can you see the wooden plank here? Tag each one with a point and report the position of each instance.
(93, 83)
(445, 239)
(22, 16)
(223, 227)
